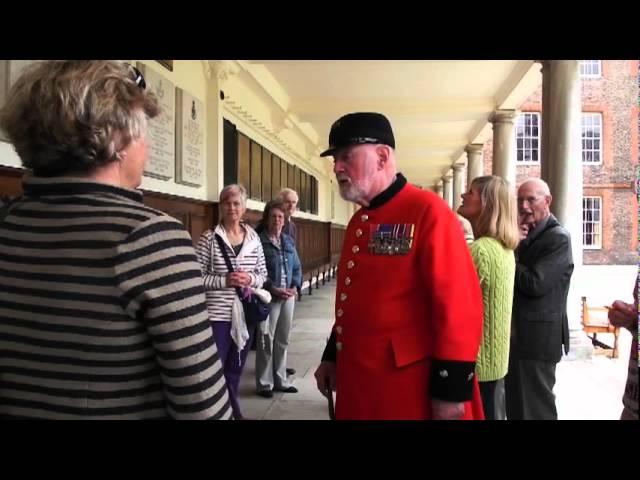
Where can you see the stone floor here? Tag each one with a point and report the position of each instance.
(585, 389)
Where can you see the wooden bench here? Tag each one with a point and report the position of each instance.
(595, 320)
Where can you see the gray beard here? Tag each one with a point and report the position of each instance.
(352, 194)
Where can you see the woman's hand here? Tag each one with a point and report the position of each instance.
(238, 279)
(283, 293)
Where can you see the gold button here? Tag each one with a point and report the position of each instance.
(350, 264)
(347, 281)
(340, 312)
(358, 233)
(364, 217)
(343, 296)
(338, 346)
(339, 330)
(355, 249)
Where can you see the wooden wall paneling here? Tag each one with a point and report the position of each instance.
(244, 161)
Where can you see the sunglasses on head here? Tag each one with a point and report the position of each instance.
(137, 76)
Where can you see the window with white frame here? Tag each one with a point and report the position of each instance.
(590, 68)
(528, 137)
(592, 222)
(592, 138)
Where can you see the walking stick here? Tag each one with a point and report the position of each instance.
(329, 395)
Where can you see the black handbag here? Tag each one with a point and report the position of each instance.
(255, 310)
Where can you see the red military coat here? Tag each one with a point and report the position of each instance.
(408, 326)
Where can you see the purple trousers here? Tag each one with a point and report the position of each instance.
(232, 360)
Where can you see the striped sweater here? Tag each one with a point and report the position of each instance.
(102, 310)
(214, 269)
(496, 267)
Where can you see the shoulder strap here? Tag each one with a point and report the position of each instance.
(7, 207)
(224, 252)
(227, 260)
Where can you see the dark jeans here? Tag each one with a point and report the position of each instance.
(492, 394)
(232, 360)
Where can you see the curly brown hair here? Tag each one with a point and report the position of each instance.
(73, 116)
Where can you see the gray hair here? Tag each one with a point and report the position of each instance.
(73, 116)
(540, 185)
(286, 192)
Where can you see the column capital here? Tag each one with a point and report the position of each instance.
(474, 148)
(544, 63)
(458, 167)
(447, 178)
(503, 116)
(223, 69)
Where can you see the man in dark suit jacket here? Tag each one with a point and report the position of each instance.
(539, 326)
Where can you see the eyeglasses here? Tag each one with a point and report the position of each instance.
(529, 200)
(137, 76)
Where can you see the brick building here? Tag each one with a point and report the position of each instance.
(609, 157)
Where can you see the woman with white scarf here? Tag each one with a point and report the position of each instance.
(232, 334)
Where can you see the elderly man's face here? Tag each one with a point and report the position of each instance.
(355, 169)
(533, 205)
(290, 201)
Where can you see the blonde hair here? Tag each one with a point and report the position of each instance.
(73, 116)
(499, 215)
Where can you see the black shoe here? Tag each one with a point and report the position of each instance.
(290, 389)
(266, 393)
(291, 371)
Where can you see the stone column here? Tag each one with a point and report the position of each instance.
(440, 189)
(447, 190)
(504, 164)
(474, 161)
(458, 184)
(562, 154)
(544, 131)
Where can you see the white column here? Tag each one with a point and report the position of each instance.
(446, 189)
(563, 173)
(474, 161)
(504, 164)
(440, 189)
(544, 131)
(458, 184)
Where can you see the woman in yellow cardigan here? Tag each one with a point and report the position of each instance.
(490, 207)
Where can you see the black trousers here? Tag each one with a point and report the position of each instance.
(493, 402)
(529, 389)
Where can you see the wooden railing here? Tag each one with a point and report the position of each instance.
(318, 245)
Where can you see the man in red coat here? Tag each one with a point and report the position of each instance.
(408, 302)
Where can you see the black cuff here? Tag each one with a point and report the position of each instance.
(330, 352)
(452, 380)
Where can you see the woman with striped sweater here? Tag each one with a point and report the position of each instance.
(102, 311)
(490, 207)
(244, 250)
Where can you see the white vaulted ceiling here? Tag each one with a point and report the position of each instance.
(436, 108)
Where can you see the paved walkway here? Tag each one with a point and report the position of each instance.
(590, 389)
